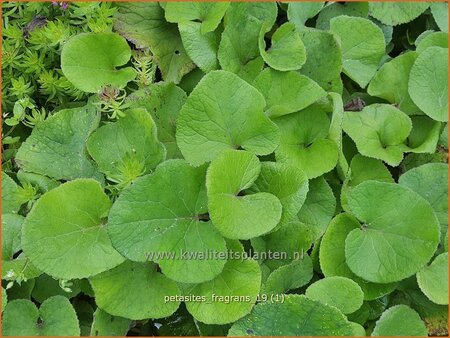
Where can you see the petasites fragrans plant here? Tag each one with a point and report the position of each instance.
(216, 168)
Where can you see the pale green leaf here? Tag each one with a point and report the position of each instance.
(287, 92)
(56, 147)
(428, 83)
(332, 10)
(379, 131)
(236, 216)
(90, 61)
(396, 239)
(64, 235)
(106, 325)
(396, 13)
(160, 218)
(433, 280)
(400, 320)
(224, 112)
(362, 44)
(11, 197)
(135, 291)
(440, 14)
(299, 12)
(56, 317)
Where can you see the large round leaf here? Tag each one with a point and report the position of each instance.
(296, 316)
(235, 216)
(90, 61)
(160, 218)
(396, 239)
(428, 83)
(433, 280)
(224, 112)
(64, 235)
(56, 317)
(135, 291)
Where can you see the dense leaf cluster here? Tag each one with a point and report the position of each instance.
(158, 156)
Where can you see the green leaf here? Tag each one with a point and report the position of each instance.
(335, 132)
(400, 320)
(135, 291)
(340, 292)
(396, 13)
(238, 52)
(319, 207)
(229, 296)
(144, 25)
(287, 183)
(440, 14)
(428, 83)
(208, 13)
(398, 237)
(56, 147)
(159, 218)
(11, 198)
(379, 131)
(299, 12)
(431, 182)
(304, 141)
(332, 10)
(201, 48)
(163, 101)
(90, 60)
(122, 153)
(424, 135)
(325, 71)
(11, 232)
(231, 117)
(287, 277)
(64, 234)
(4, 299)
(332, 256)
(56, 317)
(311, 319)
(362, 44)
(235, 216)
(433, 280)
(436, 39)
(106, 325)
(391, 82)
(287, 92)
(286, 52)
(42, 182)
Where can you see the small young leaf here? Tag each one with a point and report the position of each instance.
(239, 217)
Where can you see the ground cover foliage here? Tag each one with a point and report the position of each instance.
(156, 157)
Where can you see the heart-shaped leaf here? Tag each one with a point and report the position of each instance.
(90, 61)
(433, 280)
(235, 216)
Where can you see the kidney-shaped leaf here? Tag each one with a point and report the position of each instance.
(55, 317)
(64, 235)
(224, 112)
(400, 320)
(379, 131)
(235, 216)
(90, 61)
(161, 214)
(396, 239)
(433, 280)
